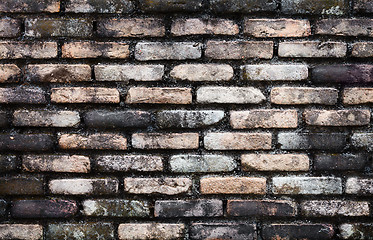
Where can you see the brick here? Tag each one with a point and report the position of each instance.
(197, 26)
(117, 119)
(115, 208)
(237, 141)
(188, 118)
(202, 72)
(88, 49)
(312, 49)
(99, 141)
(362, 140)
(21, 231)
(268, 72)
(147, 51)
(239, 49)
(131, 27)
(188, 208)
(9, 73)
(30, 6)
(86, 231)
(298, 231)
(332, 7)
(8, 163)
(26, 142)
(126, 163)
(56, 163)
(243, 6)
(164, 185)
(338, 118)
(3, 210)
(307, 185)
(60, 73)
(124, 73)
(83, 186)
(353, 96)
(21, 49)
(264, 118)
(359, 186)
(170, 5)
(201, 163)
(232, 185)
(49, 27)
(334, 208)
(345, 27)
(46, 118)
(23, 95)
(159, 95)
(363, 6)
(340, 162)
(87, 6)
(356, 230)
(85, 95)
(275, 162)
(165, 140)
(304, 95)
(282, 27)
(321, 141)
(55, 208)
(4, 119)
(261, 208)
(166, 231)
(10, 27)
(237, 95)
(362, 49)
(349, 73)
(221, 230)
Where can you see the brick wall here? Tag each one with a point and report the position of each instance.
(197, 119)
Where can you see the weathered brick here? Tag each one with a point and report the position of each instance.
(202, 72)
(343, 73)
(101, 141)
(86, 231)
(362, 140)
(243, 6)
(145, 51)
(56, 163)
(282, 27)
(10, 27)
(307, 185)
(85, 95)
(131, 27)
(9, 73)
(63, 73)
(26, 142)
(117, 119)
(25, 95)
(304, 231)
(334, 208)
(239, 49)
(120, 163)
(304, 95)
(197, 26)
(165, 185)
(275, 162)
(237, 141)
(363, 6)
(46, 118)
(233, 185)
(3, 210)
(8, 163)
(188, 208)
(356, 230)
(357, 95)
(223, 230)
(21, 231)
(55, 208)
(95, 50)
(261, 208)
(359, 186)
(340, 162)
(165, 140)
(312, 49)
(115, 208)
(237, 95)
(188, 118)
(4, 119)
(322, 141)
(143, 231)
(330, 7)
(88, 6)
(83, 186)
(264, 118)
(37, 6)
(345, 27)
(124, 73)
(159, 95)
(269, 72)
(170, 5)
(22, 49)
(362, 49)
(202, 163)
(337, 118)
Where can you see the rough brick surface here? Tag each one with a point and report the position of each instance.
(86, 49)
(261, 208)
(21, 185)
(9, 27)
(359, 186)
(146, 51)
(362, 49)
(115, 208)
(307, 185)
(80, 186)
(345, 27)
(341, 162)
(46, 118)
(84, 95)
(44, 208)
(8, 163)
(21, 231)
(267, 72)
(132, 27)
(337, 118)
(270, 118)
(304, 95)
(117, 119)
(188, 208)
(170, 5)
(92, 141)
(26, 142)
(159, 95)
(233, 185)
(312, 49)
(124, 73)
(275, 162)
(242, 6)
(239, 95)
(202, 163)
(277, 28)
(56, 163)
(87, 6)
(222, 230)
(37, 50)
(334, 208)
(119, 163)
(323, 141)
(195, 26)
(58, 72)
(165, 231)
(89, 231)
(237, 141)
(30, 6)
(332, 7)
(298, 231)
(165, 140)
(9, 73)
(167, 186)
(356, 230)
(202, 72)
(348, 73)
(188, 119)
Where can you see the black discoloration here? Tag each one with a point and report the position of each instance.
(21, 186)
(170, 5)
(188, 208)
(258, 208)
(298, 231)
(22, 95)
(8, 163)
(88, 231)
(43, 208)
(121, 119)
(349, 73)
(26, 142)
(243, 6)
(29, 6)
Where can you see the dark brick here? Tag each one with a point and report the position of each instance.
(188, 208)
(343, 73)
(21, 186)
(170, 5)
(64, 73)
(321, 141)
(30, 6)
(22, 95)
(94, 6)
(324, 7)
(243, 6)
(340, 162)
(86, 231)
(117, 119)
(255, 208)
(43, 208)
(9, 27)
(8, 163)
(116, 208)
(298, 231)
(363, 6)
(356, 231)
(26, 142)
(3, 208)
(223, 230)
(3, 119)
(188, 119)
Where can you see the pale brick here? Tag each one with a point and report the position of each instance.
(10, 27)
(356, 230)
(359, 186)
(56, 163)
(362, 140)
(88, 6)
(202, 163)
(362, 49)
(100, 141)
(165, 140)
(82, 186)
(188, 118)
(126, 163)
(282, 27)
(63, 73)
(353, 96)
(275, 162)
(165, 185)
(87, 49)
(124, 73)
(337, 118)
(307, 185)
(131, 27)
(238, 95)
(334, 208)
(143, 231)
(312, 49)
(30, 6)
(46, 118)
(115, 208)
(146, 51)
(304, 95)
(21, 231)
(221, 230)
(17, 50)
(233, 185)
(9, 73)
(345, 27)
(269, 72)
(196, 26)
(202, 72)
(237, 141)
(159, 95)
(84, 95)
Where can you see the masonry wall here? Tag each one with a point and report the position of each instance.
(186, 119)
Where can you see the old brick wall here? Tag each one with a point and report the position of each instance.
(186, 119)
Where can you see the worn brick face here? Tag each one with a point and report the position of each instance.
(275, 162)
(334, 208)
(56, 208)
(167, 186)
(84, 95)
(304, 95)
(261, 208)
(312, 49)
(237, 141)
(345, 27)
(270, 118)
(63, 73)
(233, 185)
(337, 117)
(202, 72)
(277, 28)
(242, 6)
(165, 140)
(332, 7)
(87, 6)
(188, 208)
(125, 73)
(128, 231)
(195, 26)
(46, 118)
(10, 27)
(56, 163)
(131, 27)
(9, 73)
(37, 50)
(146, 51)
(93, 141)
(21, 231)
(268, 72)
(30, 6)
(84, 186)
(86, 49)
(159, 95)
(239, 49)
